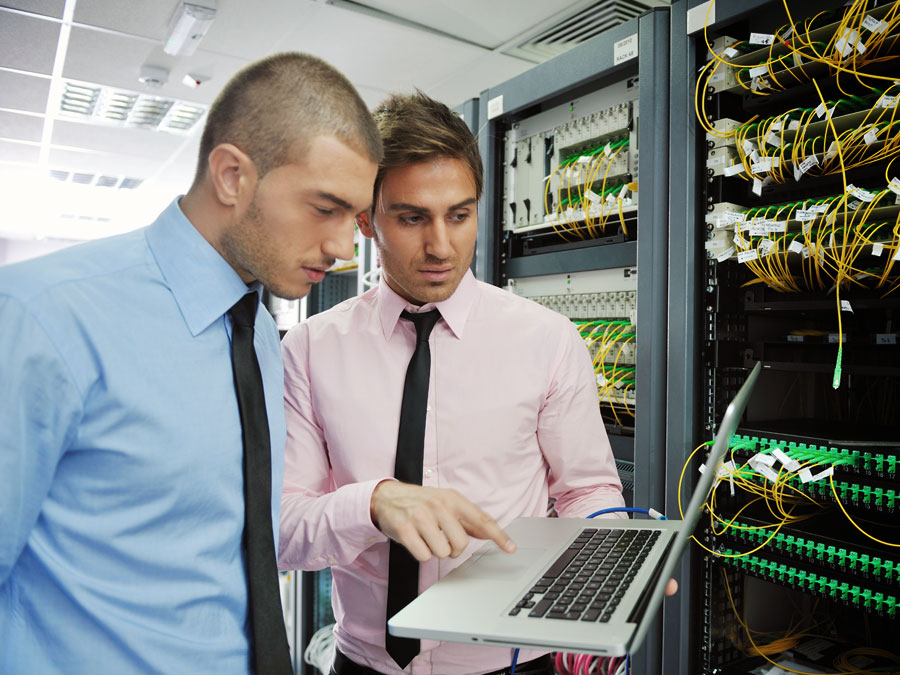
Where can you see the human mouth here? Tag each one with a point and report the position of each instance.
(314, 274)
(437, 274)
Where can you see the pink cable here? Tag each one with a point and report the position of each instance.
(558, 664)
(579, 664)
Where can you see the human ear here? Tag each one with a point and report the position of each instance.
(364, 223)
(232, 173)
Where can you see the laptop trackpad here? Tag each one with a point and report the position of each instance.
(495, 564)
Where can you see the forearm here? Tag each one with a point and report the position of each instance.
(321, 530)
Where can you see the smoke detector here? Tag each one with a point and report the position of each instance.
(153, 77)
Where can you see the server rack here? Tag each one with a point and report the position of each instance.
(630, 56)
(770, 191)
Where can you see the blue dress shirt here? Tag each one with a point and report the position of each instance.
(121, 481)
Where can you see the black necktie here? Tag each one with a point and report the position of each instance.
(403, 568)
(268, 645)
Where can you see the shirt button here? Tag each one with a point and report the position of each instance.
(428, 473)
(332, 561)
(427, 408)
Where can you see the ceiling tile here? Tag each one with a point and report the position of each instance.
(19, 152)
(27, 43)
(105, 163)
(137, 17)
(486, 71)
(248, 30)
(497, 22)
(52, 8)
(251, 30)
(392, 57)
(116, 60)
(23, 92)
(113, 139)
(21, 127)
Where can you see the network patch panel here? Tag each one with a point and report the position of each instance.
(824, 473)
(861, 596)
(814, 549)
(569, 171)
(602, 305)
(586, 306)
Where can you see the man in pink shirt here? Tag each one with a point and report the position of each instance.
(511, 416)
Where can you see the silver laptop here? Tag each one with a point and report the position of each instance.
(580, 585)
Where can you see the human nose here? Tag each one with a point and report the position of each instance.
(437, 244)
(340, 243)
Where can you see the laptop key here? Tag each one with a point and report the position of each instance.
(590, 615)
(541, 608)
(514, 611)
(557, 567)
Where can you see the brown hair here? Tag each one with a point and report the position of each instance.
(274, 107)
(416, 128)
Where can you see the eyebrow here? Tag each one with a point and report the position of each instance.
(337, 200)
(421, 209)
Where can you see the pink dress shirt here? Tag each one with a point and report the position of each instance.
(512, 420)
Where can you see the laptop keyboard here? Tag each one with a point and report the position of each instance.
(587, 582)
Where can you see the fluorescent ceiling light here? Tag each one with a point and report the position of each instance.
(188, 26)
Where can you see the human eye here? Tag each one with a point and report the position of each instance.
(323, 211)
(459, 216)
(410, 218)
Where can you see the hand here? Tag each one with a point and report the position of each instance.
(432, 521)
(671, 587)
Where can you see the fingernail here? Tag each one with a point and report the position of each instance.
(510, 545)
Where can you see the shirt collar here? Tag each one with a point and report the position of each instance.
(204, 285)
(454, 310)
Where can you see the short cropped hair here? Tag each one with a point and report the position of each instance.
(416, 128)
(277, 105)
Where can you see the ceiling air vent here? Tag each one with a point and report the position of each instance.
(127, 108)
(587, 23)
(96, 180)
(130, 183)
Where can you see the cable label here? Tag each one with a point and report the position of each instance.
(788, 463)
(761, 39)
(725, 255)
(747, 256)
(805, 166)
(873, 25)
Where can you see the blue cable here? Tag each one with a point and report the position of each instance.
(625, 509)
(512, 668)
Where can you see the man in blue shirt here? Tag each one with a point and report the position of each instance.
(121, 480)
